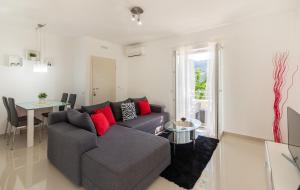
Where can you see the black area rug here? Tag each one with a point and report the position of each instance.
(187, 164)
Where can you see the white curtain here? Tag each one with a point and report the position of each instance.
(185, 76)
(212, 89)
(185, 86)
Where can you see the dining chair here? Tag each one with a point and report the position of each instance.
(19, 122)
(5, 102)
(64, 99)
(72, 101)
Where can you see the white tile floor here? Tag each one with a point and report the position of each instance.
(237, 164)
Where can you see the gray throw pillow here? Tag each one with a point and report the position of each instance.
(81, 120)
(90, 109)
(128, 111)
(116, 109)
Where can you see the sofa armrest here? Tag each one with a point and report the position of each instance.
(56, 117)
(157, 108)
(66, 145)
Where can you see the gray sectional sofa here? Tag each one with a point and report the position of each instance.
(127, 157)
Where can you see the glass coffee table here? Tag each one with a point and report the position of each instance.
(183, 132)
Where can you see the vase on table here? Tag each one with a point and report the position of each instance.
(42, 100)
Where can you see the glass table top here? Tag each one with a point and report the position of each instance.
(38, 105)
(183, 126)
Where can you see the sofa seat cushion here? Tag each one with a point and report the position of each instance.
(147, 123)
(123, 158)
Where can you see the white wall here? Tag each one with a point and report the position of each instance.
(248, 50)
(22, 83)
(87, 47)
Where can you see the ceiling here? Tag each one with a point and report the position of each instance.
(110, 19)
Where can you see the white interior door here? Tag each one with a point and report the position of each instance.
(103, 78)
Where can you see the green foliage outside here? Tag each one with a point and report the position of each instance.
(200, 85)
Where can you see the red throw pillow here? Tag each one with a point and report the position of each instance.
(108, 114)
(100, 122)
(144, 107)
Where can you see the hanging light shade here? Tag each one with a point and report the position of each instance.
(39, 65)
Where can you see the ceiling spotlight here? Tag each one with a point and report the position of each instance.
(139, 22)
(136, 13)
(133, 17)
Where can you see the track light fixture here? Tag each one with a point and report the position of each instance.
(136, 13)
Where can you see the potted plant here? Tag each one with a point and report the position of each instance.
(42, 97)
(33, 56)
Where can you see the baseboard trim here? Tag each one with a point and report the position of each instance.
(221, 136)
(243, 136)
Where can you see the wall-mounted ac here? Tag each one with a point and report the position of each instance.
(134, 51)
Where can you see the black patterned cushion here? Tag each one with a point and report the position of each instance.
(128, 111)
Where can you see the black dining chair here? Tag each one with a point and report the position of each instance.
(72, 101)
(19, 122)
(5, 102)
(64, 99)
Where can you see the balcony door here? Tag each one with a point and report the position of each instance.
(197, 86)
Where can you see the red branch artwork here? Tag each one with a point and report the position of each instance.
(279, 76)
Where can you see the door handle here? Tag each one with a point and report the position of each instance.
(94, 91)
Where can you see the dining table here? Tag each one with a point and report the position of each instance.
(30, 108)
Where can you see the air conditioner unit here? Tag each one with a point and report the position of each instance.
(134, 51)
